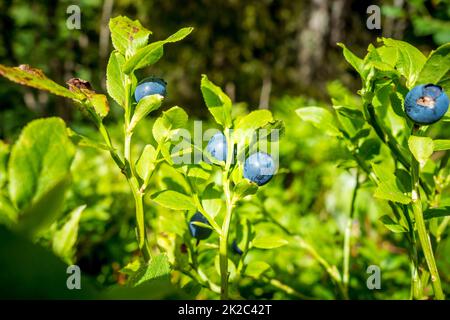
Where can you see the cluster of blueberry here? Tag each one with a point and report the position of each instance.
(424, 104)
(258, 167)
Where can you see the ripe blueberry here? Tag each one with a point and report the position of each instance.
(150, 86)
(198, 232)
(217, 147)
(259, 168)
(426, 104)
(236, 248)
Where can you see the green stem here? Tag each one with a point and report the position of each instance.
(132, 177)
(223, 238)
(441, 228)
(104, 133)
(416, 283)
(331, 270)
(422, 231)
(347, 237)
(284, 287)
(140, 221)
(223, 244)
(385, 138)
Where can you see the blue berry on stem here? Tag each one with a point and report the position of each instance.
(426, 104)
(259, 168)
(199, 232)
(150, 86)
(217, 147)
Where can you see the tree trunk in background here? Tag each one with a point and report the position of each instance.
(322, 25)
(394, 27)
(104, 38)
(57, 68)
(337, 26)
(230, 90)
(266, 89)
(312, 39)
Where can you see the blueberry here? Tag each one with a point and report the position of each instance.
(198, 232)
(236, 248)
(217, 147)
(150, 86)
(259, 168)
(426, 104)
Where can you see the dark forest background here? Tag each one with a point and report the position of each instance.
(258, 49)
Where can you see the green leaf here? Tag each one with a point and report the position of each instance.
(211, 200)
(165, 151)
(8, 214)
(383, 172)
(127, 35)
(83, 141)
(158, 267)
(218, 103)
(256, 268)
(436, 212)
(100, 104)
(151, 53)
(96, 104)
(320, 118)
(254, 120)
(445, 84)
(351, 120)
(271, 127)
(31, 272)
(244, 188)
(392, 225)
(199, 174)
(421, 147)
(32, 77)
(131, 267)
(441, 145)
(115, 79)
(4, 155)
(356, 62)
(390, 186)
(383, 58)
(64, 239)
(146, 163)
(437, 66)
(247, 126)
(203, 225)
(144, 107)
(173, 200)
(41, 157)
(389, 191)
(44, 210)
(269, 242)
(410, 60)
(172, 119)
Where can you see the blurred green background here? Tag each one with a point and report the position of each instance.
(279, 55)
(257, 50)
